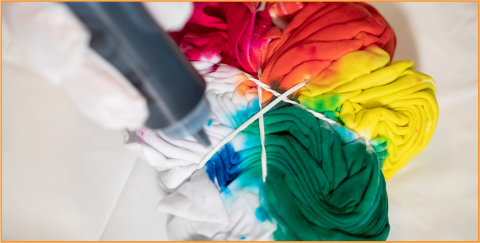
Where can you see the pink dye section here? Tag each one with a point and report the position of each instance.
(231, 31)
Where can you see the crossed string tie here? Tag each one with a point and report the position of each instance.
(259, 115)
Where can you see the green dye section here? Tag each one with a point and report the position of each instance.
(323, 103)
(330, 106)
(322, 183)
(380, 145)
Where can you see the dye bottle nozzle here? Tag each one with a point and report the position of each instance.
(126, 36)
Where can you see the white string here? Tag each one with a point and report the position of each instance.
(259, 115)
(285, 99)
(247, 123)
(262, 137)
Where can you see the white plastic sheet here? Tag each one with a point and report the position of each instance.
(65, 178)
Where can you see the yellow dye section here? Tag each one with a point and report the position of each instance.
(378, 99)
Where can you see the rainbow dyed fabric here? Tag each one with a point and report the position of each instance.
(325, 180)
(389, 104)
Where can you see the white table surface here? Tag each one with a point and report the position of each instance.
(66, 178)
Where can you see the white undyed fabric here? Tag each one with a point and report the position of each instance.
(199, 201)
(177, 159)
(197, 204)
(187, 229)
(200, 211)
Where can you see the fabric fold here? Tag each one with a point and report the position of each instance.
(317, 35)
(321, 184)
(324, 180)
(389, 104)
(230, 32)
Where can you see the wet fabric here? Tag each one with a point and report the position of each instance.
(225, 31)
(319, 163)
(323, 183)
(317, 35)
(390, 104)
(233, 99)
(325, 180)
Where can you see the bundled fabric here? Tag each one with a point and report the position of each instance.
(230, 32)
(323, 183)
(390, 104)
(233, 99)
(324, 180)
(344, 50)
(319, 34)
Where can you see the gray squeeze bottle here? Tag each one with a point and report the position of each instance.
(126, 36)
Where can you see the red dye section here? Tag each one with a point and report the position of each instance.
(312, 36)
(317, 35)
(285, 10)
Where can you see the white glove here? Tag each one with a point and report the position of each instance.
(50, 40)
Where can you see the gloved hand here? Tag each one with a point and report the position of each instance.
(50, 40)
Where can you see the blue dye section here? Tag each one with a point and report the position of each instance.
(242, 238)
(242, 115)
(227, 193)
(209, 123)
(225, 165)
(345, 134)
(260, 214)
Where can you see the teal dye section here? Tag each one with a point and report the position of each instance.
(380, 146)
(251, 177)
(242, 114)
(382, 156)
(334, 115)
(227, 193)
(260, 214)
(226, 164)
(322, 183)
(209, 123)
(345, 134)
(242, 238)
